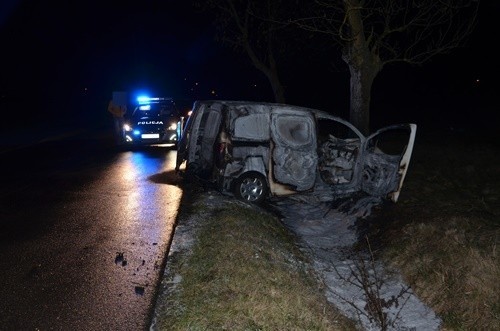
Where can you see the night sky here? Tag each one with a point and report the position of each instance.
(77, 53)
(101, 46)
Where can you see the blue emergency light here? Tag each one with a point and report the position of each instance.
(145, 99)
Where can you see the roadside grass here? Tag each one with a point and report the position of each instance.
(443, 234)
(245, 272)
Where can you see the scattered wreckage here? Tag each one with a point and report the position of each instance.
(256, 150)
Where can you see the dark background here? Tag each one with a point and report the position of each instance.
(60, 62)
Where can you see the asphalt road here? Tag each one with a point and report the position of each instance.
(84, 233)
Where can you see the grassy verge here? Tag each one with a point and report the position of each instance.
(444, 233)
(244, 272)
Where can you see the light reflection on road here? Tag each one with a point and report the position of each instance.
(148, 205)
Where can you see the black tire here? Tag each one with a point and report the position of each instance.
(251, 187)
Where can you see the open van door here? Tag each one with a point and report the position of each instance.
(197, 142)
(387, 154)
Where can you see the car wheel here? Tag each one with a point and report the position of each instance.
(251, 187)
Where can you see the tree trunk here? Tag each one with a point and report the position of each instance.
(364, 65)
(278, 89)
(361, 85)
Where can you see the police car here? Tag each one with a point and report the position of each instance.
(152, 121)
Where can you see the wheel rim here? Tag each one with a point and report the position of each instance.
(251, 189)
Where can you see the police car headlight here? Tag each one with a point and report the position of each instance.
(127, 127)
(173, 126)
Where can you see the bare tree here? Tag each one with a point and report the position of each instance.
(252, 26)
(374, 33)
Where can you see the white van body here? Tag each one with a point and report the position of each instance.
(255, 150)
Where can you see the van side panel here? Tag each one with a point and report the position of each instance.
(294, 154)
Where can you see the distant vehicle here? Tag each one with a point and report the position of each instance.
(255, 150)
(152, 121)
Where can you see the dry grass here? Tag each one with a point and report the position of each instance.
(444, 234)
(459, 279)
(246, 273)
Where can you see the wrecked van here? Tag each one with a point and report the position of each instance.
(256, 150)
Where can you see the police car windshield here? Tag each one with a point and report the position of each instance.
(166, 109)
